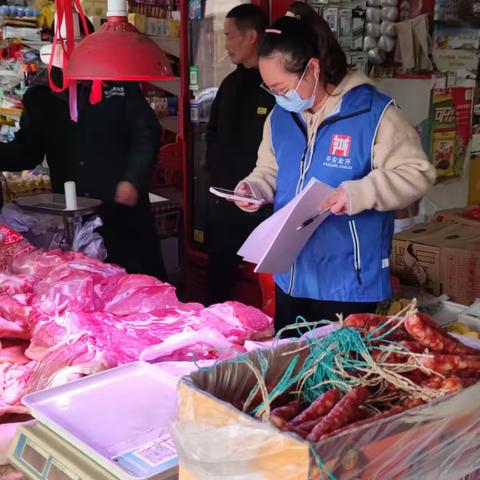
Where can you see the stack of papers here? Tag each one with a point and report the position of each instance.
(276, 243)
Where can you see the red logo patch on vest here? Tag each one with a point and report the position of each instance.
(340, 146)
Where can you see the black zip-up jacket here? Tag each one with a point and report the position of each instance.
(234, 134)
(115, 140)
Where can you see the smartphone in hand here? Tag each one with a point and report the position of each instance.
(231, 196)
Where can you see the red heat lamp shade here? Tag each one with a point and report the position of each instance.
(118, 51)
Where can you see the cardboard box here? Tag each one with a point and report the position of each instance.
(419, 258)
(455, 216)
(461, 272)
(216, 440)
(428, 259)
(415, 258)
(474, 181)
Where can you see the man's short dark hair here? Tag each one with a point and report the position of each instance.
(248, 16)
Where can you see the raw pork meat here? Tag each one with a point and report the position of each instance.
(139, 294)
(251, 321)
(13, 380)
(14, 351)
(74, 292)
(15, 317)
(38, 263)
(64, 315)
(15, 284)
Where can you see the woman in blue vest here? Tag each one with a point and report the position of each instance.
(330, 123)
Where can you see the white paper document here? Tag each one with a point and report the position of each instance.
(276, 243)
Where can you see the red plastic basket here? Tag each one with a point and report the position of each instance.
(168, 169)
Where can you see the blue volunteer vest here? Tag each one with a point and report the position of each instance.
(347, 258)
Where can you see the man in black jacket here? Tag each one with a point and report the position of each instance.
(234, 135)
(109, 154)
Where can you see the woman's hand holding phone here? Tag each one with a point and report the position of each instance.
(243, 188)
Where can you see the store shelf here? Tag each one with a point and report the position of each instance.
(169, 123)
(170, 45)
(170, 86)
(36, 44)
(11, 112)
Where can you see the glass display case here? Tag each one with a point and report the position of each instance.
(209, 65)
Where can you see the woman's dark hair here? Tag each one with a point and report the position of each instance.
(303, 37)
(302, 10)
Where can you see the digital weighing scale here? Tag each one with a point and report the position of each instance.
(108, 426)
(54, 204)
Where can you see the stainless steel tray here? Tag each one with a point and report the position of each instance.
(112, 414)
(54, 204)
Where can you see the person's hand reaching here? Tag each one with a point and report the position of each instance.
(126, 194)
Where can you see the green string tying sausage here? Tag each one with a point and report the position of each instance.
(341, 359)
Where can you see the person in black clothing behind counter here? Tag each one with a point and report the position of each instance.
(109, 154)
(233, 137)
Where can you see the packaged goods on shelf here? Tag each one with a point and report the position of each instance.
(447, 36)
(26, 183)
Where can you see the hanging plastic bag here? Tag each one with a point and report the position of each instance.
(88, 241)
(38, 228)
(17, 218)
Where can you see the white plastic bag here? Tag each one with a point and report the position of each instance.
(88, 241)
(17, 218)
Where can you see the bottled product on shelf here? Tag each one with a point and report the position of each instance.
(25, 183)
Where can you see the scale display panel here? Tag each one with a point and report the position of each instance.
(41, 454)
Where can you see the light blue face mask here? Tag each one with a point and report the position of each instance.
(293, 102)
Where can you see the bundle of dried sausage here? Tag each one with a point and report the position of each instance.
(369, 322)
(423, 329)
(389, 413)
(321, 406)
(284, 426)
(288, 411)
(447, 364)
(344, 412)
